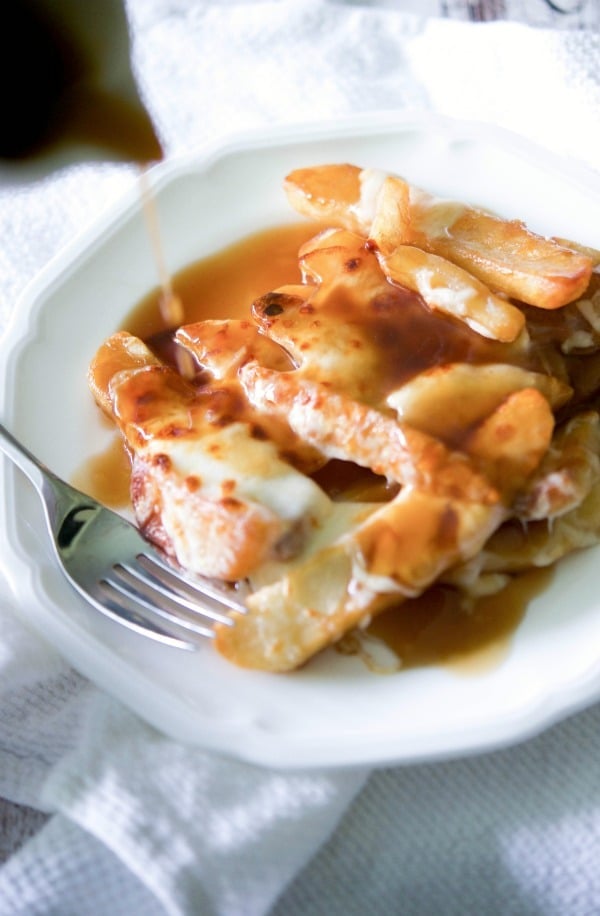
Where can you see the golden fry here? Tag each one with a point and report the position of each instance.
(396, 553)
(508, 257)
(447, 288)
(503, 254)
(448, 401)
(510, 443)
(391, 224)
(348, 430)
(328, 193)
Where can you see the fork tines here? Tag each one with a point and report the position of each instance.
(147, 584)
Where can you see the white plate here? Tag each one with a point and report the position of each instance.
(334, 712)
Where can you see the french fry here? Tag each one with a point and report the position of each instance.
(450, 289)
(516, 547)
(592, 253)
(503, 254)
(391, 225)
(396, 553)
(511, 442)
(120, 353)
(569, 470)
(450, 400)
(346, 429)
(221, 346)
(328, 193)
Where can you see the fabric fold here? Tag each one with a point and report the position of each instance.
(199, 830)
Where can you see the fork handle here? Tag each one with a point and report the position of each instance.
(54, 492)
(58, 496)
(22, 457)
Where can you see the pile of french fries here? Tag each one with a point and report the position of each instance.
(453, 354)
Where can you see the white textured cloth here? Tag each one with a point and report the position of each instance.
(133, 823)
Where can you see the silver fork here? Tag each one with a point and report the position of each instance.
(116, 570)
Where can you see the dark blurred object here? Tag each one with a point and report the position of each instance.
(567, 6)
(68, 91)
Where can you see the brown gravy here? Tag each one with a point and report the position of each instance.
(437, 627)
(432, 629)
(225, 284)
(106, 475)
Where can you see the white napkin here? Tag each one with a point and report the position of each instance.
(141, 825)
